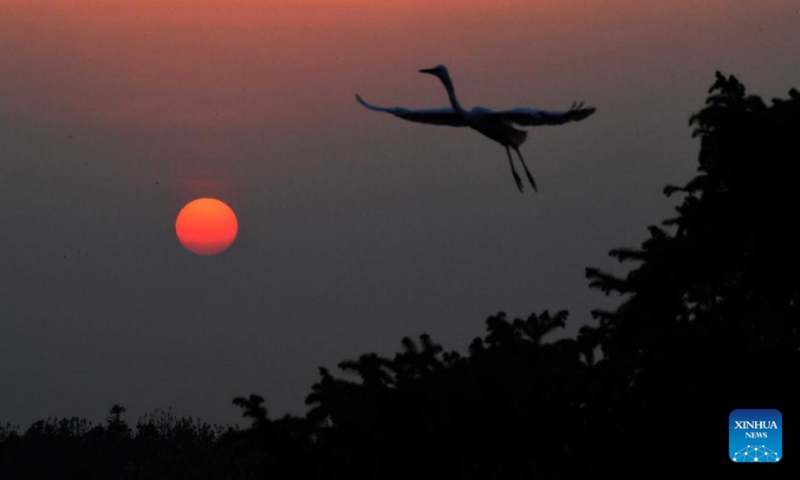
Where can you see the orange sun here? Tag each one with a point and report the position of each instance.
(206, 226)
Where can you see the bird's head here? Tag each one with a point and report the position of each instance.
(439, 71)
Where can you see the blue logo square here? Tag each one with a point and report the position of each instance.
(755, 436)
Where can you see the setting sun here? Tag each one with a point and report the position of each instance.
(206, 226)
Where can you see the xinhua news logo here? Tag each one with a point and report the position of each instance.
(755, 436)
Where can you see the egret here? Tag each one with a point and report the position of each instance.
(496, 125)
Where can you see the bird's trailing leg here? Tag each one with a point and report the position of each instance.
(514, 170)
(528, 173)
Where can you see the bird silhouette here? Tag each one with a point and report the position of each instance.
(496, 125)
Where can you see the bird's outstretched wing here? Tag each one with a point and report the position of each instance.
(530, 117)
(433, 116)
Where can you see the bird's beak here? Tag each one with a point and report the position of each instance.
(427, 70)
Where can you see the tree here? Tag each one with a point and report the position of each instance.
(163, 446)
(512, 407)
(711, 317)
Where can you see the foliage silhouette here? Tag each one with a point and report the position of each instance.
(162, 446)
(711, 319)
(496, 412)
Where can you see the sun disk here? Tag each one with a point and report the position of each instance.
(206, 226)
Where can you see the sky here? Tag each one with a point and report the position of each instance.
(356, 228)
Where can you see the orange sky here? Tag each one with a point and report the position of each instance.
(163, 62)
(202, 75)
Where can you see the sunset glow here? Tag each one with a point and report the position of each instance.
(206, 226)
(359, 228)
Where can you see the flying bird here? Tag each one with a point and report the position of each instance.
(496, 125)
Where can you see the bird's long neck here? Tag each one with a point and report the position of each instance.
(451, 92)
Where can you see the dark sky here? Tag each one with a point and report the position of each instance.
(355, 228)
